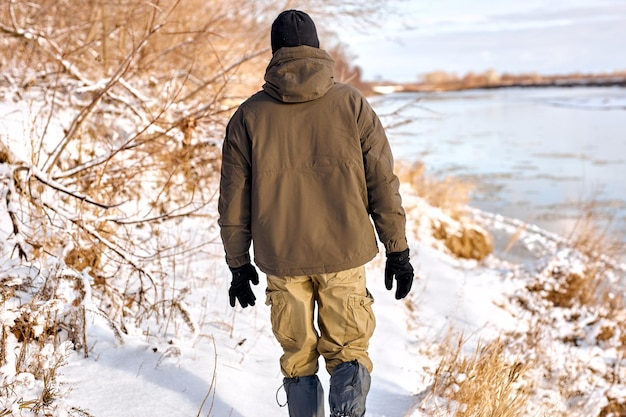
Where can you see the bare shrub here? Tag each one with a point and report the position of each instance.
(344, 70)
(43, 321)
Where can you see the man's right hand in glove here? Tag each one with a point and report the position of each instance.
(240, 285)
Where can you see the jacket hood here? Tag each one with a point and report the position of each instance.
(299, 74)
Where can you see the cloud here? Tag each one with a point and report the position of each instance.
(587, 39)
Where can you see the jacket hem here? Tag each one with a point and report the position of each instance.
(325, 269)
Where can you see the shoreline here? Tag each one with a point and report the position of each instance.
(486, 81)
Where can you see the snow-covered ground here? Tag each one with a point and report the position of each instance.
(224, 361)
(232, 362)
(229, 366)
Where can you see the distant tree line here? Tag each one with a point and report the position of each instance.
(443, 81)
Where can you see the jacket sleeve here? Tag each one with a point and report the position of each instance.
(385, 203)
(234, 199)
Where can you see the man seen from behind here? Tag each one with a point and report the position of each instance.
(307, 178)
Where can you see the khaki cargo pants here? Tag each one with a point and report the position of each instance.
(344, 317)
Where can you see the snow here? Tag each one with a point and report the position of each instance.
(230, 367)
(20, 125)
(224, 361)
(234, 353)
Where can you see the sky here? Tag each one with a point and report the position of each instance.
(509, 36)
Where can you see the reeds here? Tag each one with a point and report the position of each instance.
(460, 234)
(450, 194)
(488, 382)
(597, 234)
(571, 304)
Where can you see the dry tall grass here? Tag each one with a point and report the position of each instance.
(575, 303)
(486, 383)
(462, 236)
(595, 282)
(596, 233)
(450, 194)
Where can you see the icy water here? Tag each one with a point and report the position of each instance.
(533, 153)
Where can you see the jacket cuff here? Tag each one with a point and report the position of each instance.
(237, 261)
(396, 246)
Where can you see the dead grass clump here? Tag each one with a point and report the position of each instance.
(564, 289)
(567, 284)
(615, 408)
(487, 382)
(449, 194)
(467, 241)
(4, 154)
(81, 258)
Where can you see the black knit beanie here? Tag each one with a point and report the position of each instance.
(293, 28)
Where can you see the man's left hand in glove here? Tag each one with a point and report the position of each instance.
(399, 267)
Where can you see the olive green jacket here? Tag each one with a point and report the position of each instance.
(305, 165)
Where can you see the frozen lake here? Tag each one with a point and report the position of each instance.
(533, 153)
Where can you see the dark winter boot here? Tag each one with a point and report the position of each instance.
(305, 396)
(349, 385)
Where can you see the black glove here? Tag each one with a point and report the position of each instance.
(240, 285)
(398, 267)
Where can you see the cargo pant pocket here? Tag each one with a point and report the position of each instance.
(279, 316)
(360, 322)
